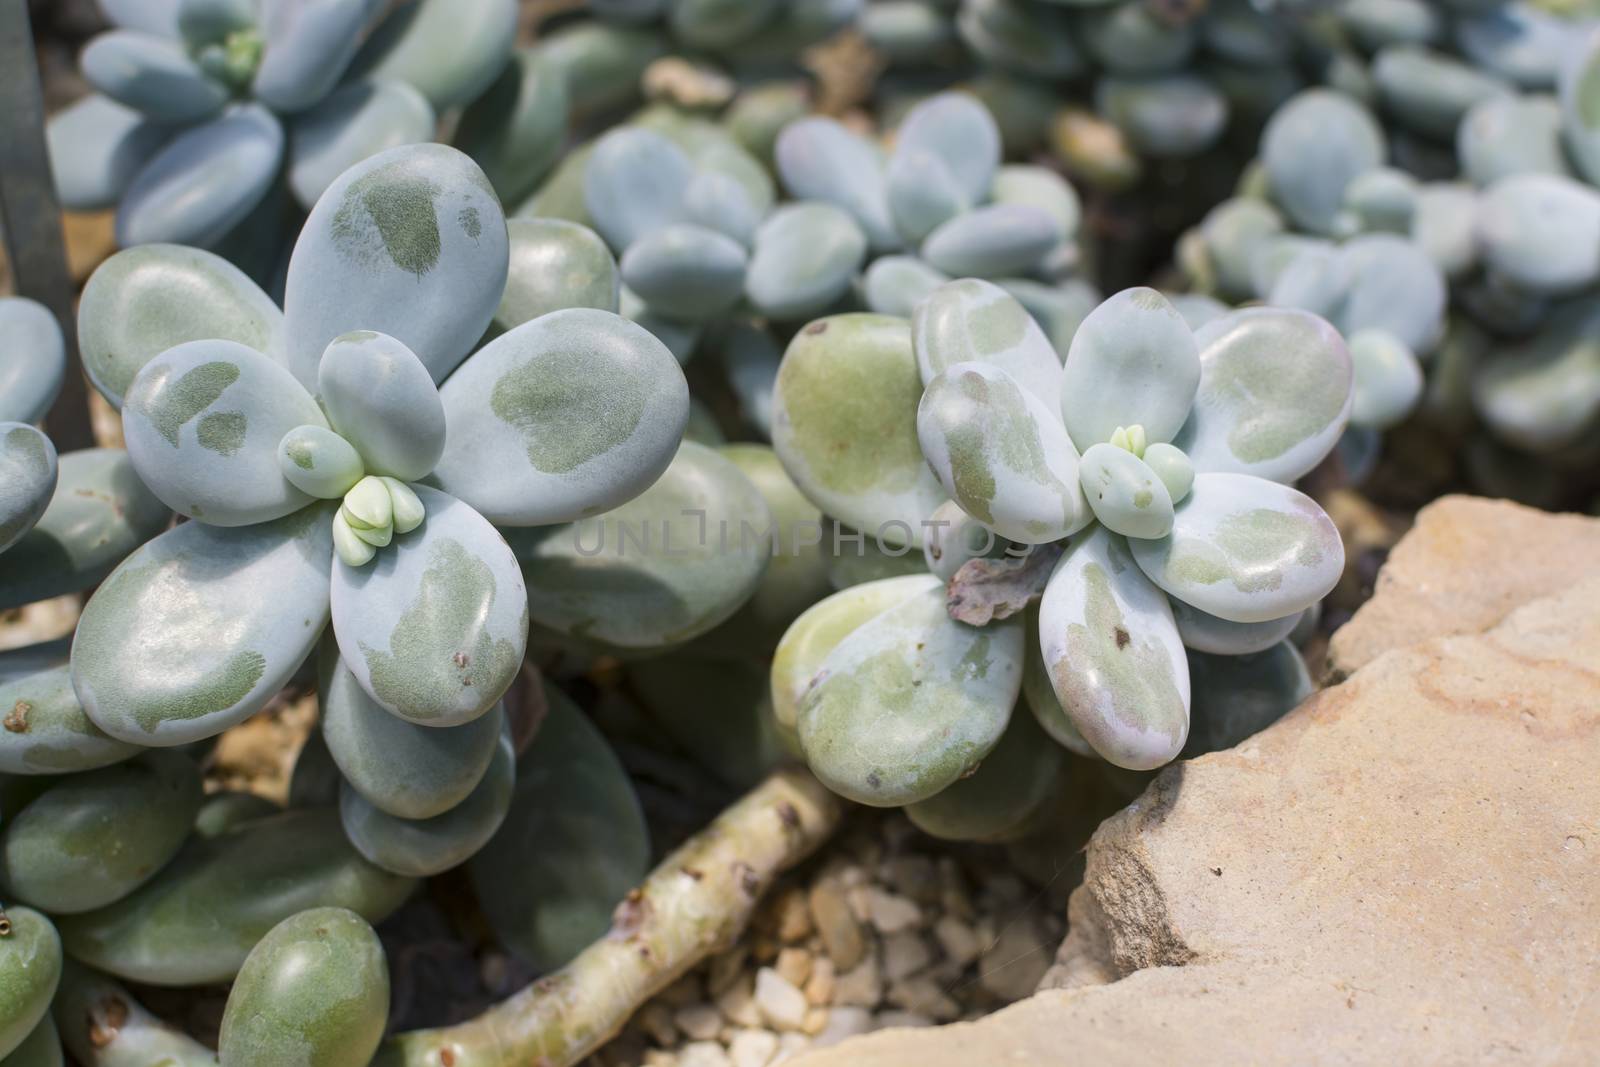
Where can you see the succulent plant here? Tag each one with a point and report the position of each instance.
(1177, 516)
(200, 105)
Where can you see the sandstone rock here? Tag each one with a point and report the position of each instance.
(1465, 565)
(1404, 869)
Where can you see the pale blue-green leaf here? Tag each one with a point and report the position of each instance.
(956, 129)
(1136, 39)
(1388, 379)
(153, 75)
(719, 202)
(895, 285)
(30, 969)
(200, 627)
(412, 241)
(634, 185)
(515, 131)
(306, 48)
(1504, 135)
(686, 271)
(1168, 115)
(1543, 395)
(556, 264)
(580, 409)
(1245, 549)
(353, 123)
(994, 240)
(33, 359)
(805, 256)
(96, 147)
(1541, 232)
(451, 50)
(1312, 148)
(1444, 224)
(974, 321)
(1427, 91)
(1029, 39)
(379, 397)
(28, 472)
(1124, 493)
(924, 193)
(54, 736)
(1133, 361)
(819, 159)
(1207, 633)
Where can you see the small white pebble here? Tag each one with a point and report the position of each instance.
(753, 1048)
(890, 914)
(700, 1021)
(703, 1054)
(780, 1003)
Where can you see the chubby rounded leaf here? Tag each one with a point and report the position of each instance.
(1544, 394)
(820, 628)
(998, 800)
(910, 702)
(634, 185)
(305, 49)
(1236, 697)
(203, 182)
(152, 75)
(30, 970)
(314, 991)
(1276, 388)
(196, 922)
(565, 416)
(379, 397)
(1133, 362)
(46, 731)
(685, 270)
(203, 421)
(958, 131)
(423, 847)
(1246, 550)
(1580, 105)
(895, 285)
(845, 424)
(1001, 454)
(451, 50)
(95, 837)
(356, 122)
(974, 321)
(145, 300)
(28, 473)
(805, 256)
(402, 768)
(722, 203)
(435, 627)
(556, 264)
(1388, 379)
(411, 240)
(665, 567)
(1164, 115)
(199, 628)
(923, 193)
(516, 130)
(572, 845)
(1039, 693)
(993, 241)
(1207, 633)
(819, 159)
(1124, 492)
(1312, 148)
(1113, 654)
(96, 148)
(1541, 232)
(33, 359)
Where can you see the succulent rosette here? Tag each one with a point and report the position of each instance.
(328, 478)
(1160, 455)
(201, 105)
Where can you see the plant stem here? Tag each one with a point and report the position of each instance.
(695, 903)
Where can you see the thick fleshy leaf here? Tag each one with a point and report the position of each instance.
(720, 23)
(306, 48)
(48, 731)
(1541, 232)
(1444, 224)
(1388, 379)
(1276, 388)
(515, 131)
(33, 359)
(1580, 105)
(147, 16)
(571, 847)
(399, 767)
(200, 627)
(1507, 135)
(355, 123)
(420, 848)
(1544, 394)
(93, 838)
(567, 415)
(1039, 694)
(895, 285)
(720, 202)
(1246, 550)
(1001, 454)
(30, 969)
(434, 629)
(681, 338)
(28, 473)
(1428, 91)
(411, 240)
(819, 159)
(951, 537)
(805, 255)
(204, 22)
(1390, 285)
(41, 1048)
(686, 270)
(1312, 148)
(718, 711)
(665, 567)
(203, 421)
(97, 146)
(451, 50)
(196, 922)
(99, 513)
(1134, 39)
(1133, 362)
(959, 131)
(556, 264)
(1232, 231)
(752, 358)
(1028, 39)
(1381, 200)
(203, 182)
(973, 321)
(634, 185)
(103, 1025)
(143, 301)
(1008, 790)
(223, 810)
(1236, 697)
(1059, 308)
(153, 75)
(1165, 115)
(1125, 493)
(923, 193)
(1518, 41)
(910, 702)
(853, 557)
(1113, 654)
(992, 241)
(1042, 188)
(1207, 633)
(315, 990)
(821, 627)
(845, 424)
(379, 397)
